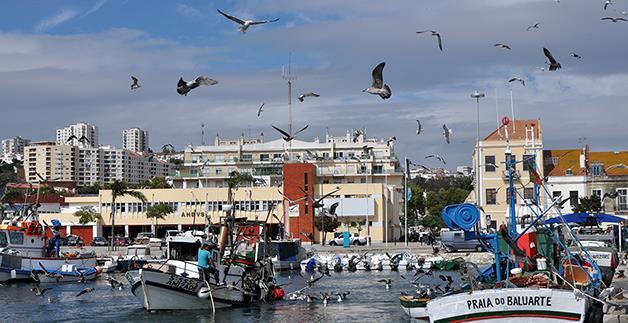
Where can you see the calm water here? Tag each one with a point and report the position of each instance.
(369, 301)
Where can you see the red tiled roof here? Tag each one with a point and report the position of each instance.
(567, 159)
(608, 159)
(516, 130)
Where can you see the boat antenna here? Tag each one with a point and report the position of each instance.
(287, 75)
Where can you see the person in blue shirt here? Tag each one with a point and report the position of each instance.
(206, 262)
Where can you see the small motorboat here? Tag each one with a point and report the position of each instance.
(415, 307)
(68, 273)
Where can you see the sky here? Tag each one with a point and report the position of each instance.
(63, 62)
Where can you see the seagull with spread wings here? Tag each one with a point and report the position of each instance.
(378, 87)
(245, 24)
(135, 84)
(259, 110)
(184, 87)
(437, 157)
(535, 26)
(520, 80)
(553, 64)
(447, 133)
(614, 19)
(435, 34)
(305, 95)
(287, 137)
(419, 129)
(574, 55)
(500, 45)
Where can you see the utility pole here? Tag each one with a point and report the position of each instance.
(288, 76)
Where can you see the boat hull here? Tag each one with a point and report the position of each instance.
(509, 305)
(68, 276)
(414, 307)
(27, 264)
(165, 291)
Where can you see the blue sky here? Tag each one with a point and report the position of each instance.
(68, 61)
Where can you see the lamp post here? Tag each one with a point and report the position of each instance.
(366, 216)
(477, 96)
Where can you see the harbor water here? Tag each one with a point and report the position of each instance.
(369, 301)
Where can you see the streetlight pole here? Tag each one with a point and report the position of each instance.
(366, 213)
(477, 96)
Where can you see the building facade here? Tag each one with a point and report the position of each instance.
(72, 134)
(13, 148)
(135, 140)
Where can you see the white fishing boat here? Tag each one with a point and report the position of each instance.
(137, 255)
(415, 307)
(68, 273)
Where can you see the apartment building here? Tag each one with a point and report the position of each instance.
(135, 140)
(13, 148)
(82, 134)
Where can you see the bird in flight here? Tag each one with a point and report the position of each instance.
(85, 291)
(357, 134)
(390, 141)
(378, 87)
(287, 137)
(245, 24)
(607, 3)
(135, 84)
(502, 46)
(553, 64)
(434, 33)
(39, 291)
(71, 138)
(446, 133)
(305, 95)
(574, 55)
(184, 87)
(437, 157)
(535, 26)
(418, 127)
(522, 81)
(614, 19)
(259, 110)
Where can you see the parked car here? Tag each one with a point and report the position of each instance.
(452, 241)
(142, 235)
(99, 241)
(122, 241)
(338, 240)
(74, 240)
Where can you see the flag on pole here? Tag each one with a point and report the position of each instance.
(534, 176)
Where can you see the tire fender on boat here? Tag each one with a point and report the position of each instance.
(204, 292)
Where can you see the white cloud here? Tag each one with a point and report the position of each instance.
(63, 16)
(95, 7)
(188, 11)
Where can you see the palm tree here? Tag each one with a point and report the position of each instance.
(158, 211)
(119, 189)
(233, 182)
(87, 214)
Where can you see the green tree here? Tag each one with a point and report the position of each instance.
(156, 182)
(325, 223)
(119, 189)
(589, 204)
(87, 214)
(159, 211)
(91, 189)
(436, 201)
(233, 182)
(12, 195)
(416, 205)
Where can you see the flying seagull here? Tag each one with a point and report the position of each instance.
(259, 110)
(39, 291)
(522, 81)
(607, 3)
(85, 291)
(287, 137)
(535, 26)
(183, 87)
(114, 283)
(245, 24)
(446, 133)
(378, 87)
(84, 139)
(553, 64)
(357, 134)
(304, 95)
(614, 19)
(391, 141)
(574, 55)
(434, 33)
(502, 46)
(333, 207)
(437, 157)
(71, 138)
(418, 127)
(135, 84)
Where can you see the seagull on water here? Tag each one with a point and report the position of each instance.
(342, 296)
(259, 110)
(184, 87)
(114, 283)
(522, 81)
(434, 33)
(535, 26)
(305, 95)
(386, 281)
(418, 127)
(245, 24)
(287, 137)
(502, 46)
(378, 87)
(437, 157)
(135, 84)
(446, 133)
(85, 291)
(614, 19)
(39, 291)
(553, 64)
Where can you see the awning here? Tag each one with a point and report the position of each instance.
(586, 218)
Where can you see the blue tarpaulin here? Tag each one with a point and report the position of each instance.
(586, 218)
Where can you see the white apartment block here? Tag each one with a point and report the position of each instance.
(13, 148)
(79, 130)
(135, 139)
(51, 161)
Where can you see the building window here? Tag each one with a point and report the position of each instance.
(556, 194)
(528, 161)
(264, 157)
(247, 157)
(596, 169)
(528, 194)
(622, 199)
(568, 172)
(489, 163)
(508, 196)
(491, 196)
(573, 199)
(597, 192)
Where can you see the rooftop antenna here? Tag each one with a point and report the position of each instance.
(202, 134)
(286, 73)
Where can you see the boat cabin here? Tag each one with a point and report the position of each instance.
(27, 242)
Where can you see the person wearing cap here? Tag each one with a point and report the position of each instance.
(206, 262)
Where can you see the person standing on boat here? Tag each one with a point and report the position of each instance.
(206, 262)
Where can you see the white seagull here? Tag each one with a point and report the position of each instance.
(184, 87)
(553, 64)
(436, 34)
(418, 127)
(522, 81)
(259, 111)
(135, 84)
(378, 87)
(574, 55)
(500, 45)
(535, 26)
(614, 19)
(305, 95)
(446, 133)
(437, 157)
(607, 3)
(245, 24)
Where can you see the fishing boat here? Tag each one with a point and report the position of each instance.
(137, 255)
(68, 273)
(415, 307)
(177, 284)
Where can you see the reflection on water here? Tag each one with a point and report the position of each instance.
(368, 301)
